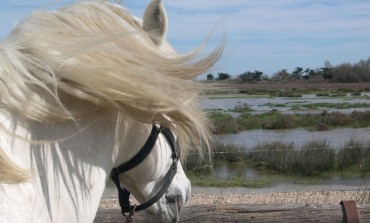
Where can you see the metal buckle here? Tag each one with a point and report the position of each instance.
(130, 216)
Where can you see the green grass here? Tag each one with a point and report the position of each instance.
(210, 181)
(297, 92)
(345, 105)
(224, 123)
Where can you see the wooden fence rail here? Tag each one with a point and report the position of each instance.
(287, 213)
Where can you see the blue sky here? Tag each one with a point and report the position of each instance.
(268, 35)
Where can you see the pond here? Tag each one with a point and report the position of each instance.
(285, 105)
(334, 137)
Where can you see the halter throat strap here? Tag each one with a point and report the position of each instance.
(124, 194)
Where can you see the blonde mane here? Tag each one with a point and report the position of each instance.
(97, 54)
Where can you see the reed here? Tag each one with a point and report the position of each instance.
(315, 158)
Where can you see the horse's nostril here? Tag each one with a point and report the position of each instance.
(171, 199)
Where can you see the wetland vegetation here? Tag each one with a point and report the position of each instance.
(280, 161)
(333, 106)
(224, 123)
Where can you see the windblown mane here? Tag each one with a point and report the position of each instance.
(96, 53)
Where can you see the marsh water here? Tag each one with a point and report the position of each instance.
(286, 105)
(248, 139)
(336, 138)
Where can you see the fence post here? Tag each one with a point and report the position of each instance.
(350, 214)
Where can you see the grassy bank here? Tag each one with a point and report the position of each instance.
(277, 159)
(295, 92)
(224, 123)
(299, 88)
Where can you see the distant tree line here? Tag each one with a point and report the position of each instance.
(342, 73)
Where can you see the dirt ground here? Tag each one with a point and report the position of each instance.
(281, 194)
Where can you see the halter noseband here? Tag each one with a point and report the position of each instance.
(124, 194)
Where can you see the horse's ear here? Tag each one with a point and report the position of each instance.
(155, 21)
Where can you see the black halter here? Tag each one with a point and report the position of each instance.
(124, 194)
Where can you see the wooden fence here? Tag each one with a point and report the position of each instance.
(287, 213)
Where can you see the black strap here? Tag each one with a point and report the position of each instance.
(171, 139)
(124, 194)
(141, 155)
(168, 179)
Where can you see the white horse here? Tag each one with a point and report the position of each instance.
(80, 91)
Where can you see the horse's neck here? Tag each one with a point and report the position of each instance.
(68, 176)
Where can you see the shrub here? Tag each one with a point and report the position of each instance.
(361, 116)
(242, 108)
(289, 94)
(283, 122)
(338, 119)
(323, 94)
(248, 121)
(223, 123)
(357, 93)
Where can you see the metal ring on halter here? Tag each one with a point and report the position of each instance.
(130, 217)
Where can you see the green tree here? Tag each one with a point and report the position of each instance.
(297, 73)
(280, 75)
(210, 77)
(326, 73)
(223, 76)
(257, 75)
(327, 70)
(250, 76)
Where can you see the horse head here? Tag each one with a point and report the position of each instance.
(169, 188)
(89, 92)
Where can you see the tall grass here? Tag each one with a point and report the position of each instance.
(354, 155)
(314, 158)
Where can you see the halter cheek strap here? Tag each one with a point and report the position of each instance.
(124, 194)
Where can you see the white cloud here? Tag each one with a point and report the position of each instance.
(291, 29)
(272, 18)
(294, 31)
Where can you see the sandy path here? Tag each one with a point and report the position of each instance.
(285, 193)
